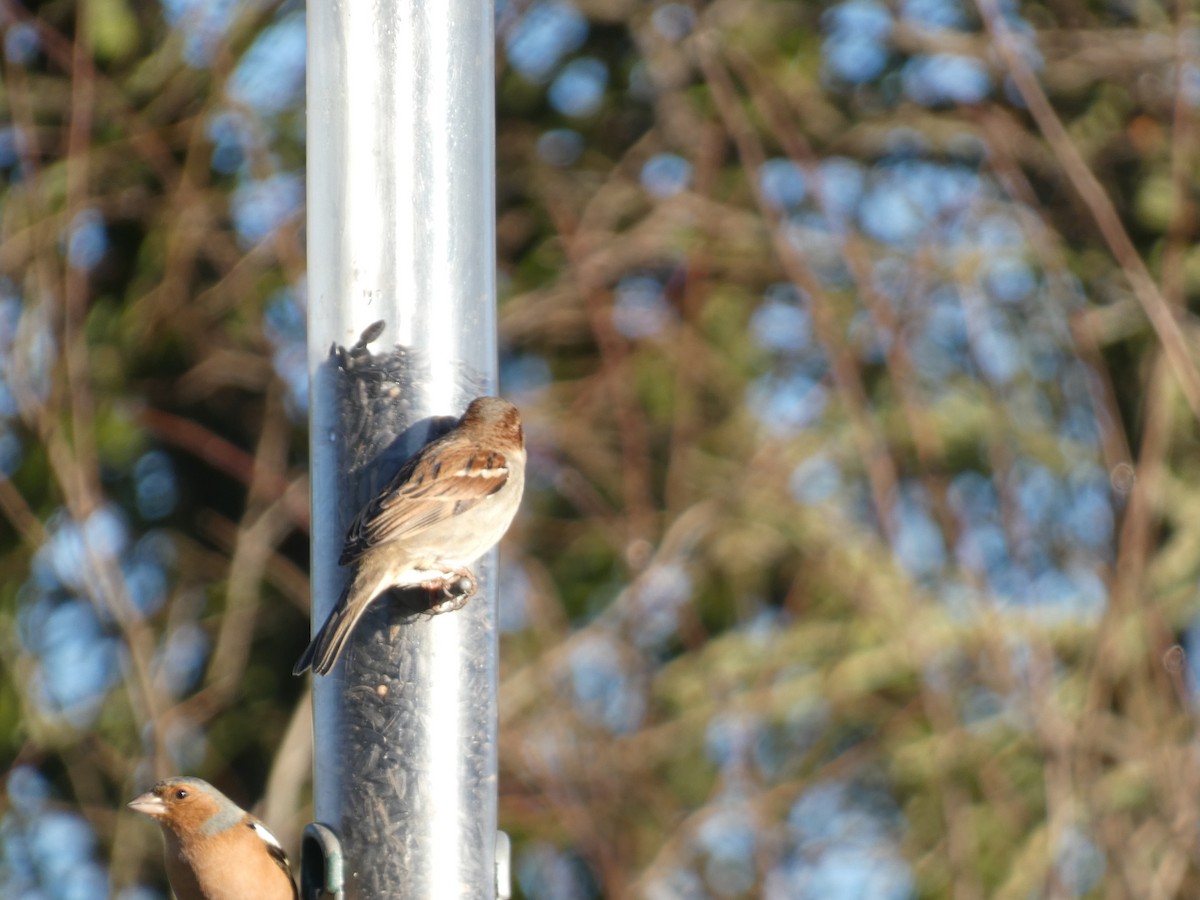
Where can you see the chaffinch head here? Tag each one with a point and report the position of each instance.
(215, 850)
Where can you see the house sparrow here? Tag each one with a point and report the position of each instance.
(444, 509)
(215, 850)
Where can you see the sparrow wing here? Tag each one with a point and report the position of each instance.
(437, 484)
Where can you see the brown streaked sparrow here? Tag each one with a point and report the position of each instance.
(446, 507)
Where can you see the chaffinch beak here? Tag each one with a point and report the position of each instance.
(148, 804)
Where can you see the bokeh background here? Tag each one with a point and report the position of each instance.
(856, 346)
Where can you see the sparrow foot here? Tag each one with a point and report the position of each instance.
(456, 588)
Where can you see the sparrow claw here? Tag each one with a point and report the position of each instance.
(462, 586)
(449, 605)
(456, 587)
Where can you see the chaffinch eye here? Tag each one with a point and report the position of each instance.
(181, 794)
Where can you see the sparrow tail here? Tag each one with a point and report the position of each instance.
(323, 651)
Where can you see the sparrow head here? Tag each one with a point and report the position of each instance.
(496, 416)
(189, 806)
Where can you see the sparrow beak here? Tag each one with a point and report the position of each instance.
(149, 804)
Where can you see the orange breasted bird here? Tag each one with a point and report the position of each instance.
(215, 850)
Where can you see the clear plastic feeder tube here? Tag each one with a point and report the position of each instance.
(400, 231)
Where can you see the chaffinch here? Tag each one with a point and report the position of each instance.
(215, 850)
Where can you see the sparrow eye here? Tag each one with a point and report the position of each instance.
(181, 794)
